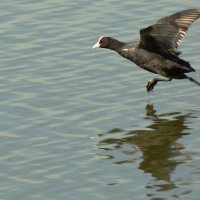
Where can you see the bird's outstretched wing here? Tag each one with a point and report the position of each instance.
(165, 35)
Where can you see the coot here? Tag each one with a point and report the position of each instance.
(156, 51)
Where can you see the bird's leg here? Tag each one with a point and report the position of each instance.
(151, 83)
(193, 80)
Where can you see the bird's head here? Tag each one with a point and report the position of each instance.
(103, 42)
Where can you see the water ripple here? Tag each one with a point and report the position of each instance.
(78, 122)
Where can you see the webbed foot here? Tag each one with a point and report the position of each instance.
(150, 85)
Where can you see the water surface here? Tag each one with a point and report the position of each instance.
(77, 123)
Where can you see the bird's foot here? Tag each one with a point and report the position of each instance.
(150, 85)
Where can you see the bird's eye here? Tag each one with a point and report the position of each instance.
(101, 41)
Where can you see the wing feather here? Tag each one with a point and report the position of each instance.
(165, 36)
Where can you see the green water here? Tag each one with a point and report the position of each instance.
(77, 123)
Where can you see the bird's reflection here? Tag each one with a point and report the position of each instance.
(160, 150)
(159, 144)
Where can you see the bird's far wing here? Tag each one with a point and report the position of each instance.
(165, 36)
(182, 20)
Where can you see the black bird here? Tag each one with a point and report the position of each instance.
(156, 51)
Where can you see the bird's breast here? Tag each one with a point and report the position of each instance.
(138, 56)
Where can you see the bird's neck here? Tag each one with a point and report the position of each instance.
(115, 45)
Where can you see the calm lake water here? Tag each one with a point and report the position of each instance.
(77, 123)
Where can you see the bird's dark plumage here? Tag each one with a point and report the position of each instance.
(156, 50)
